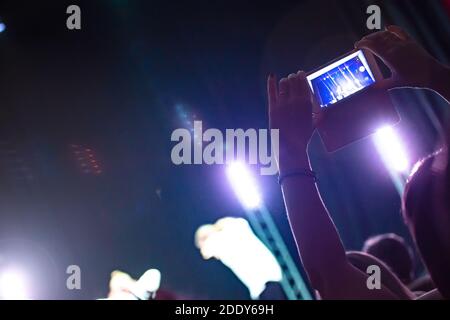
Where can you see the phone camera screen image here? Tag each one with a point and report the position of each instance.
(341, 79)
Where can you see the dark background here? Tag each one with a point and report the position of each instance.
(136, 71)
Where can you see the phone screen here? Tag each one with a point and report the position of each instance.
(341, 79)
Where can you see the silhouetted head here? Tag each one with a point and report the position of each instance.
(362, 261)
(426, 211)
(394, 252)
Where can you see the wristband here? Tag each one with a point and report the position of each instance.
(298, 172)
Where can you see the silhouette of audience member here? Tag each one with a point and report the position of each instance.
(426, 211)
(394, 252)
(362, 261)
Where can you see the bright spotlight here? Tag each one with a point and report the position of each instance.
(2, 27)
(12, 286)
(243, 185)
(391, 150)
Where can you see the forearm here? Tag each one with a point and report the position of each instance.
(317, 239)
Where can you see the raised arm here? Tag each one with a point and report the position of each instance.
(318, 242)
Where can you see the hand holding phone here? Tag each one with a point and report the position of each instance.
(411, 65)
(350, 100)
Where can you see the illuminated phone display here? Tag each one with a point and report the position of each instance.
(341, 79)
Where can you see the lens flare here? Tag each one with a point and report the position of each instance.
(243, 185)
(13, 285)
(391, 150)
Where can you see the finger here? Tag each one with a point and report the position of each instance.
(379, 50)
(315, 107)
(305, 90)
(375, 36)
(283, 88)
(402, 34)
(391, 37)
(380, 39)
(298, 85)
(303, 82)
(304, 87)
(318, 117)
(294, 84)
(272, 92)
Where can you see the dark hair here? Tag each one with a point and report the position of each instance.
(426, 212)
(394, 252)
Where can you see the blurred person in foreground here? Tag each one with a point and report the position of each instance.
(232, 241)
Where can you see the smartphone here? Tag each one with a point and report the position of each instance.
(351, 103)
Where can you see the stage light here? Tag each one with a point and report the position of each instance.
(13, 285)
(391, 150)
(243, 185)
(2, 27)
